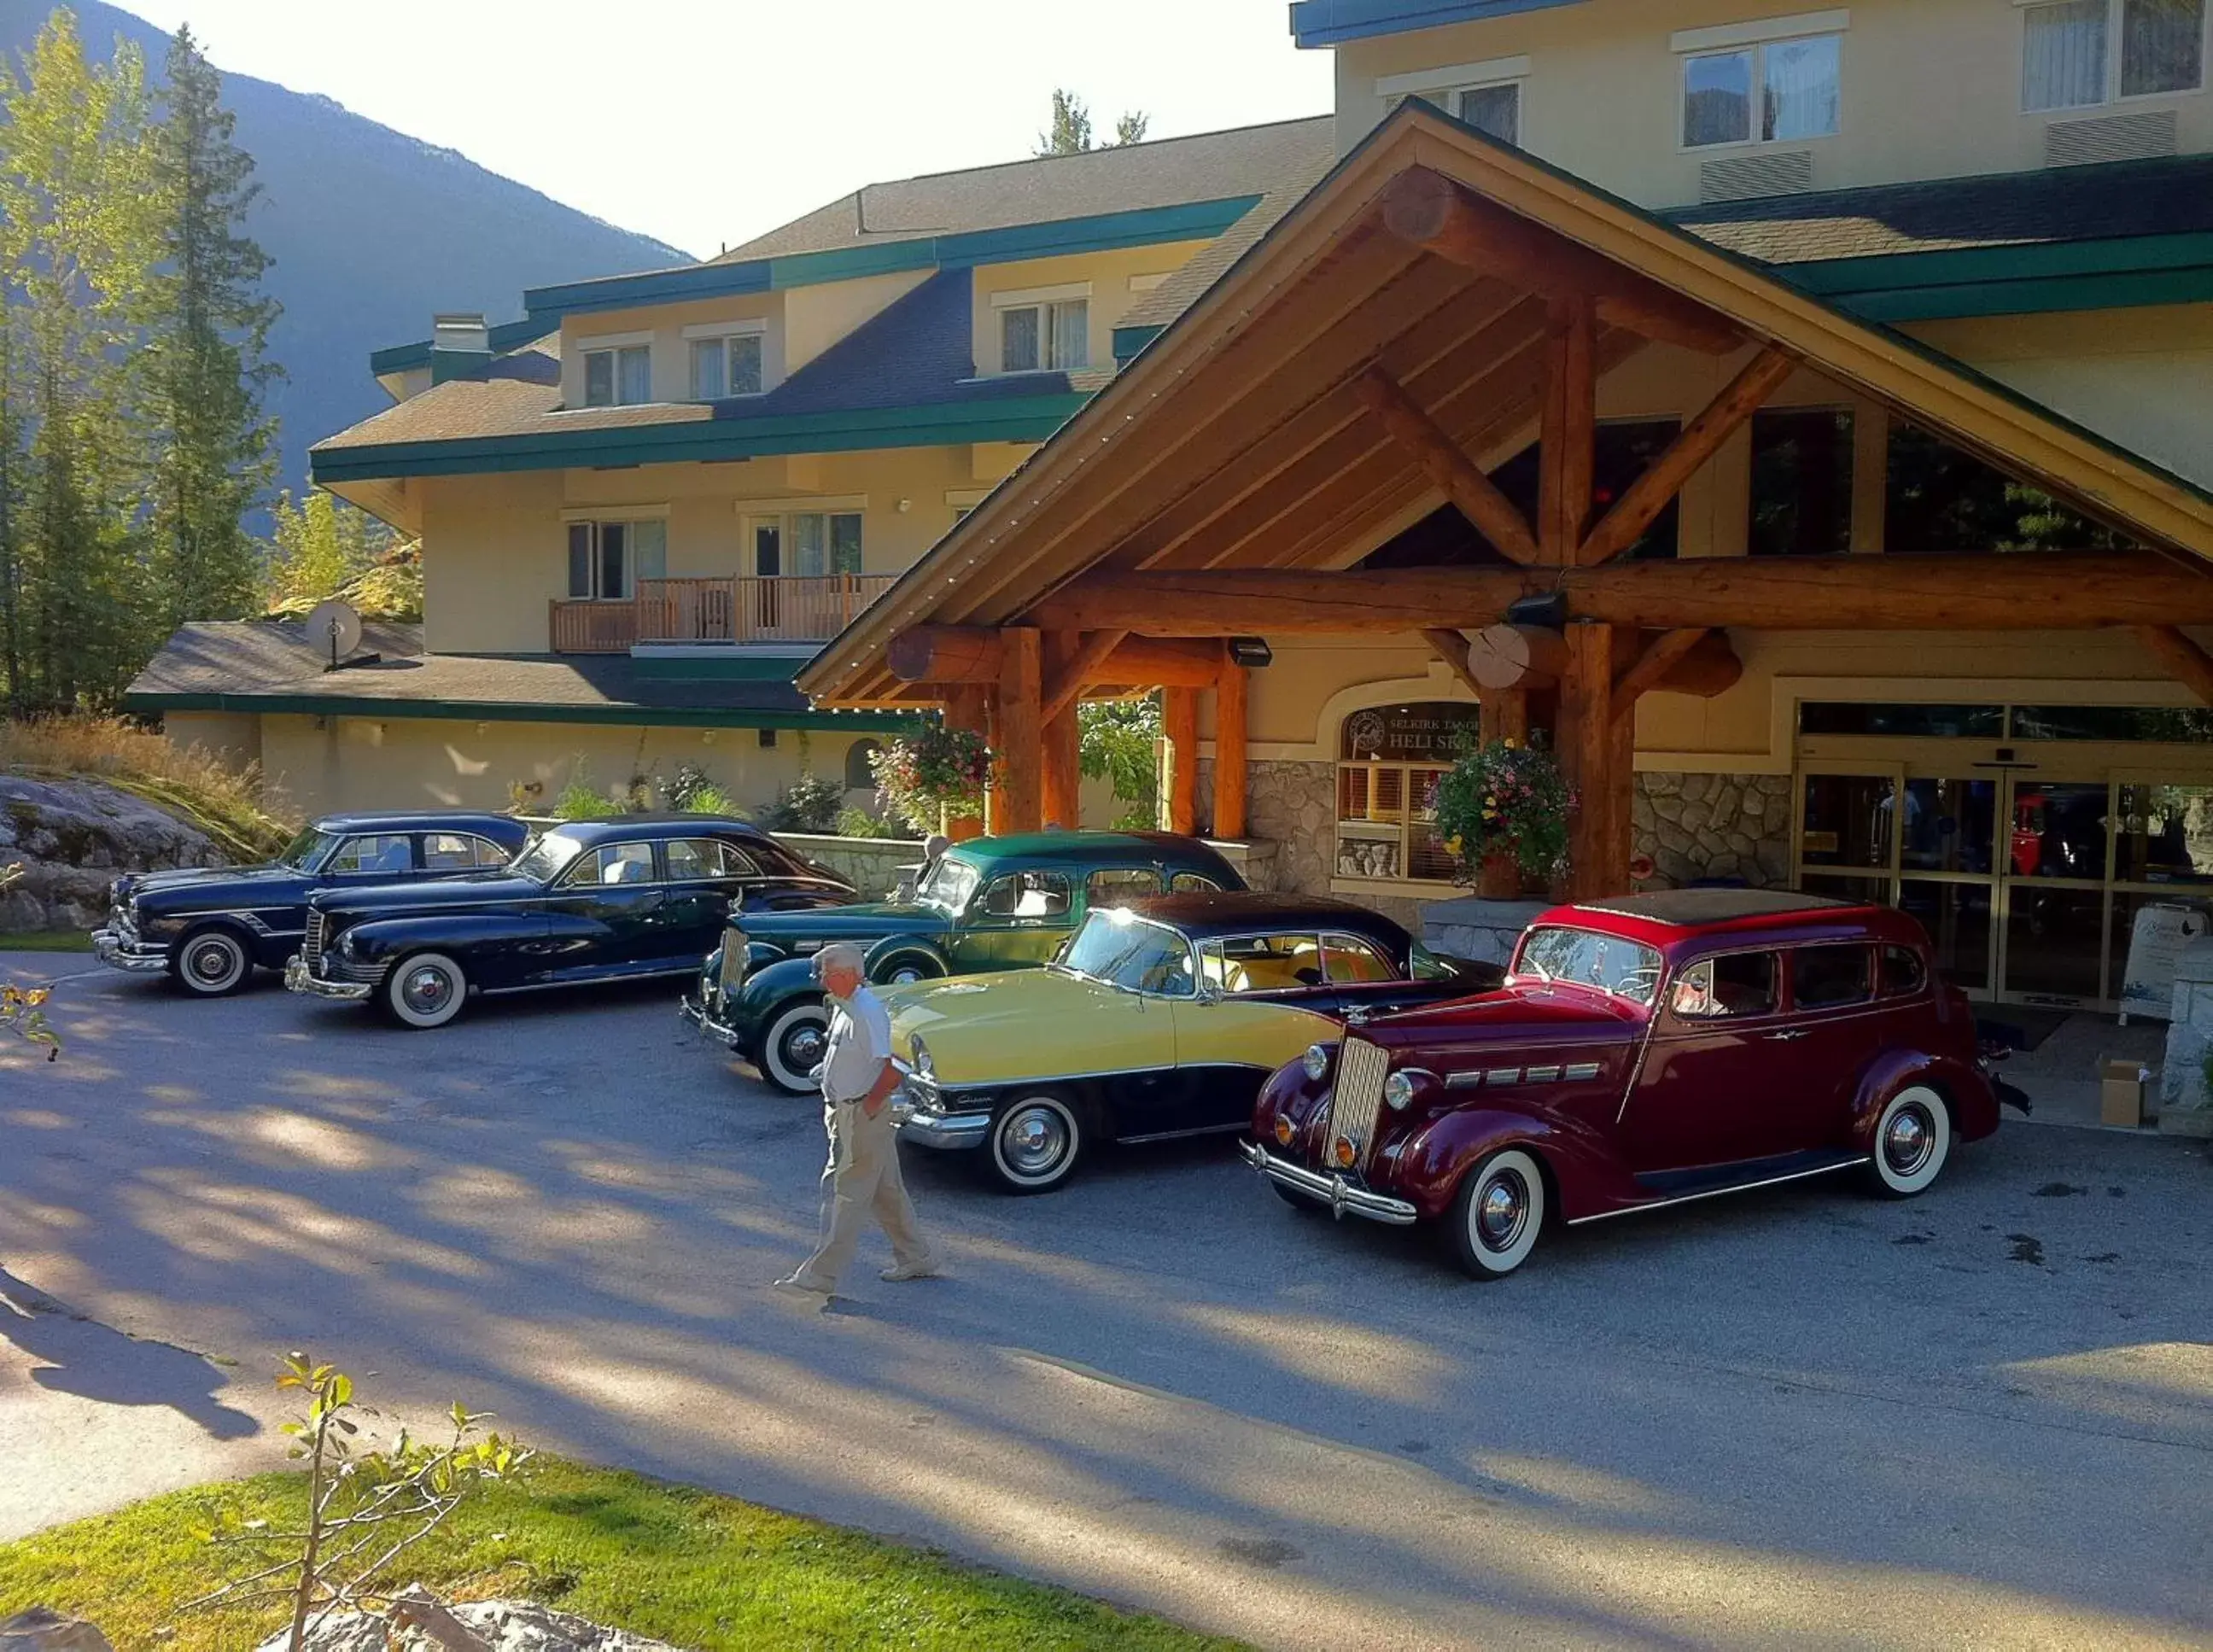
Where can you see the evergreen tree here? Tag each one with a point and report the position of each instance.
(210, 324)
(322, 543)
(1071, 131)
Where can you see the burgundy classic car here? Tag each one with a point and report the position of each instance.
(1643, 1051)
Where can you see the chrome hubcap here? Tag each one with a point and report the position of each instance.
(802, 1047)
(211, 963)
(427, 991)
(1034, 1140)
(1908, 1142)
(906, 975)
(1501, 1210)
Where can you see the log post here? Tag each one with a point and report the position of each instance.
(1022, 736)
(1568, 457)
(1231, 775)
(1586, 747)
(967, 706)
(1179, 766)
(1063, 771)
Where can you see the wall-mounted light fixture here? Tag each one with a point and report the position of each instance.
(1251, 652)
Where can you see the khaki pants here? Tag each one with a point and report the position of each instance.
(862, 1179)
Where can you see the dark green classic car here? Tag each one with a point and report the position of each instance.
(990, 904)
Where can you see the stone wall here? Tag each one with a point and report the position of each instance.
(873, 865)
(1699, 826)
(70, 838)
(1293, 806)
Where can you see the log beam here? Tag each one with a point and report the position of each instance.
(1516, 656)
(2186, 663)
(1022, 732)
(1231, 773)
(1473, 493)
(1640, 505)
(948, 654)
(1452, 647)
(2026, 591)
(1180, 755)
(1661, 655)
(1075, 666)
(1431, 211)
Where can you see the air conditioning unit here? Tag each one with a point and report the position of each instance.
(1750, 177)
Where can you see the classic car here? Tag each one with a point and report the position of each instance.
(1158, 1018)
(593, 901)
(208, 927)
(1641, 1052)
(990, 904)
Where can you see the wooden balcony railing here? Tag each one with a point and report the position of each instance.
(795, 608)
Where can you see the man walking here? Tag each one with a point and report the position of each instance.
(864, 1173)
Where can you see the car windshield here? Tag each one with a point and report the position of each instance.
(947, 885)
(1123, 950)
(307, 851)
(1586, 958)
(542, 861)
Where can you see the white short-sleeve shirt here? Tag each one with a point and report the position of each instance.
(860, 1043)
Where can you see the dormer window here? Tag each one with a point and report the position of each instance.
(618, 375)
(1046, 331)
(1769, 91)
(724, 362)
(2078, 53)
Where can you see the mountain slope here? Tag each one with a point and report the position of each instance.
(370, 231)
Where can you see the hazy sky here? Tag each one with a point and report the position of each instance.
(705, 122)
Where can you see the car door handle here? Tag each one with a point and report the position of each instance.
(1783, 1038)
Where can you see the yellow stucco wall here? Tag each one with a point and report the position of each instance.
(1931, 88)
(235, 737)
(1109, 276)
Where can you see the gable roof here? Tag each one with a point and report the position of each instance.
(1288, 473)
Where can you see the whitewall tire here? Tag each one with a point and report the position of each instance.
(906, 971)
(793, 1047)
(425, 990)
(212, 962)
(1912, 1140)
(1034, 1144)
(1497, 1214)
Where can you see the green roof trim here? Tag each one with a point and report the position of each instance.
(507, 335)
(1128, 341)
(2045, 277)
(991, 418)
(628, 716)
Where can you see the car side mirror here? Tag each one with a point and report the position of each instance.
(1208, 992)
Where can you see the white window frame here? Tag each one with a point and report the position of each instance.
(615, 345)
(1444, 87)
(712, 331)
(2115, 18)
(630, 519)
(1044, 300)
(1752, 40)
(782, 514)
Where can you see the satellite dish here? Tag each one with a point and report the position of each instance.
(335, 628)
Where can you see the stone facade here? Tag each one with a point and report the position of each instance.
(1714, 826)
(2185, 1106)
(872, 865)
(70, 838)
(1293, 806)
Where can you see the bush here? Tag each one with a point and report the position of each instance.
(859, 823)
(712, 799)
(938, 768)
(679, 790)
(580, 800)
(248, 820)
(809, 803)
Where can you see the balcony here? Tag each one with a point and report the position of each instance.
(798, 608)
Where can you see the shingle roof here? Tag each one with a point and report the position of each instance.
(1208, 166)
(1176, 295)
(2015, 208)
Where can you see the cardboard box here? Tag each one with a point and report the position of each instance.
(2121, 1091)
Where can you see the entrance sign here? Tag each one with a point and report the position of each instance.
(2155, 944)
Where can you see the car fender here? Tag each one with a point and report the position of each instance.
(1974, 1101)
(894, 948)
(464, 936)
(765, 992)
(1425, 1167)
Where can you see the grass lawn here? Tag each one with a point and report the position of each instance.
(44, 940)
(682, 1566)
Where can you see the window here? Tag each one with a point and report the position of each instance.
(615, 864)
(1903, 973)
(1778, 92)
(860, 776)
(607, 559)
(618, 378)
(1802, 484)
(1115, 885)
(1192, 883)
(1263, 963)
(455, 851)
(1053, 337)
(692, 858)
(1829, 977)
(1347, 959)
(1390, 760)
(818, 542)
(380, 853)
(1031, 895)
(1131, 954)
(1624, 968)
(1937, 498)
(728, 366)
(1740, 983)
(2078, 53)
(1493, 111)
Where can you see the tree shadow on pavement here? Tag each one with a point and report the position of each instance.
(80, 1356)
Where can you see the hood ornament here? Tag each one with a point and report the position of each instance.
(1359, 1017)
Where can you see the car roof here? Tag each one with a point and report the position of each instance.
(423, 820)
(1240, 911)
(632, 826)
(1089, 848)
(1670, 918)
(1702, 908)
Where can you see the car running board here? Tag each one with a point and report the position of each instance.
(1682, 1187)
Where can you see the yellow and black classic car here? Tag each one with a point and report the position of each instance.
(1159, 1019)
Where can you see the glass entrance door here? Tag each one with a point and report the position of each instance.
(2056, 901)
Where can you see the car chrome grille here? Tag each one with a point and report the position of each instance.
(733, 959)
(311, 944)
(1359, 1097)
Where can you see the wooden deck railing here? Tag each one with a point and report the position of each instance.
(794, 608)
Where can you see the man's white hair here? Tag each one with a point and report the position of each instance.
(840, 955)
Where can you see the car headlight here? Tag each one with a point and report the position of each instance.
(1316, 1062)
(345, 944)
(1398, 1091)
(922, 1063)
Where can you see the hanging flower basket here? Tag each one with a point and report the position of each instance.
(940, 774)
(1505, 802)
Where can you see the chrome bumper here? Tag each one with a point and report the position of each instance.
(299, 978)
(695, 1011)
(927, 1123)
(134, 957)
(1335, 1192)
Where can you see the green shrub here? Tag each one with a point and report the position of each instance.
(859, 823)
(711, 799)
(809, 803)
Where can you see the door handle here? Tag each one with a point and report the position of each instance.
(1783, 1038)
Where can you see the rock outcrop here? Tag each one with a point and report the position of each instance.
(43, 1630)
(422, 1625)
(71, 837)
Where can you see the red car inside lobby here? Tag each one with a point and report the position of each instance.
(1643, 1051)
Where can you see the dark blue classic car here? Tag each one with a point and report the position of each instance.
(636, 896)
(209, 927)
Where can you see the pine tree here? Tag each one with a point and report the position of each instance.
(209, 325)
(1071, 131)
(322, 544)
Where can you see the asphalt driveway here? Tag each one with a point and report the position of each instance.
(1984, 1416)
